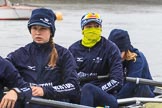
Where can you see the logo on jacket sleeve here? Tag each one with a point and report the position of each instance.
(64, 87)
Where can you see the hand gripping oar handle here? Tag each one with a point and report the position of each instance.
(144, 81)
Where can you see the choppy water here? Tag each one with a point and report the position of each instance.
(143, 23)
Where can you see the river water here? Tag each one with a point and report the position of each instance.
(143, 23)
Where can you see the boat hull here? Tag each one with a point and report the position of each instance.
(15, 12)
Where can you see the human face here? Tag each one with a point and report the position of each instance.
(40, 34)
(92, 25)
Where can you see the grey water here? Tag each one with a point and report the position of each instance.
(142, 21)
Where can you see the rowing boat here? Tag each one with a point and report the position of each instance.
(9, 11)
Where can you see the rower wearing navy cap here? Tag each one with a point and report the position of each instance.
(49, 68)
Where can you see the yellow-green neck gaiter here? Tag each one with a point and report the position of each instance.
(91, 36)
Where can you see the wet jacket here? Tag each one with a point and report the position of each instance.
(10, 78)
(139, 69)
(59, 82)
(102, 59)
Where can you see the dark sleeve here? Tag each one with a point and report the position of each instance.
(70, 86)
(10, 78)
(116, 70)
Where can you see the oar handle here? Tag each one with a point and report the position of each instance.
(93, 78)
(144, 81)
(103, 77)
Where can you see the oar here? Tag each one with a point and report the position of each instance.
(128, 79)
(139, 99)
(56, 104)
(59, 104)
(90, 78)
(144, 81)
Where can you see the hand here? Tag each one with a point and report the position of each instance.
(9, 99)
(87, 76)
(82, 75)
(37, 91)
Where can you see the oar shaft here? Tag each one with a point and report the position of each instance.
(56, 104)
(139, 99)
(144, 81)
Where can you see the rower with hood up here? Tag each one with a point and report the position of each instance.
(134, 65)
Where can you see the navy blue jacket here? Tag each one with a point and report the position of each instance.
(139, 69)
(9, 77)
(60, 82)
(102, 59)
